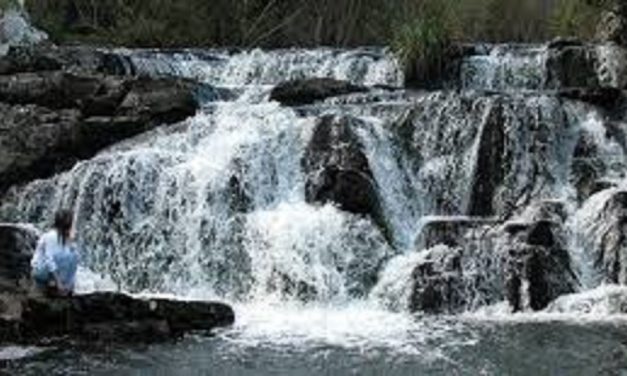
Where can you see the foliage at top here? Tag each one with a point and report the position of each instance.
(280, 23)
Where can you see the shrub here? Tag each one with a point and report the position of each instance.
(574, 18)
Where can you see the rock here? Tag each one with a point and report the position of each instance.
(115, 317)
(605, 234)
(535, 261)
(59, 118)
(612, 28)
(17, 243)
(452, 231)
(159, 100)
(15, 29)
(24, 59)
(337, 169)
(438, 282)
(572, 67)
(602, 301)
(491, 164)
(308, 91)
(36, 142)
(605, 97)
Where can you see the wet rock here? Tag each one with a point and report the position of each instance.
(159, 100)
(308, 91)
(491, 165)
(535, 261)
(116, 317)
(452, 231)
(59, 118)
(572, 67)
(35, 142)
(438, 282)
(605, 97)
(337, 169)
(17, 243)
(289, 287)
(613, 27)
(607, 235)
(15, 29)
(24, 59)
(605, 300)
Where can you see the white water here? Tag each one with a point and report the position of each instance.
(218, 211)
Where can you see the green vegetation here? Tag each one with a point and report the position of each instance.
(280, 23)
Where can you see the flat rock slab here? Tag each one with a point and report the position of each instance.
(110, 317)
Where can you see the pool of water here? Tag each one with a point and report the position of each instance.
(357, 341)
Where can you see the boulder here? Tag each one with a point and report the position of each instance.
(572, 66)
(15, 29)
(438, 282)
(337, 169)
(535, 262)
(112, 317)
(452, 231)
(605, 234)
(308, 91)
(17, 243)
(604, 300)
(612, 27)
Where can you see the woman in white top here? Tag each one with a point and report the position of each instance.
(55, 261)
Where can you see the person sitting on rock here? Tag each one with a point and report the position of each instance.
(55, 261)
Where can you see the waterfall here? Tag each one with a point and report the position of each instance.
(216, 207)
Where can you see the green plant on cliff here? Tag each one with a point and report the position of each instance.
(421, 43)
(575, 18)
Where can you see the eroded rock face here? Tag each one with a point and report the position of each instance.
(51, 119)
(535, 261)
(337, 169)
(309, 91)
(604, 226)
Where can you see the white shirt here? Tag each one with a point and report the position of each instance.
(48, 246)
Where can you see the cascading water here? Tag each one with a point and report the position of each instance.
(216, 207)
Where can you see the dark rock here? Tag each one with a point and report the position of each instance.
(561, 42)
(535, 262)
(17, 244)
(23, 59)
(159, 100)
(337, 169)
(117, 317)
(77, 115)
(572, 67)
(452, 231)
(491, 167)
(308, 91)
(35, 142)
(289, 287)
(606, 97)
(438, 282)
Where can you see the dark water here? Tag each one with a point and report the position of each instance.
(441, 347)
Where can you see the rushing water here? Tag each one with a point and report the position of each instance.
(215, 209)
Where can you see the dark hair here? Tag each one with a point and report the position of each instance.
(63, 224)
